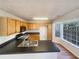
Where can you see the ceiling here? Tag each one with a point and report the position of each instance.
(27, 9)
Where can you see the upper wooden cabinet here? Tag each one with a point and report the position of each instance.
(24, 24)
(11, 26)
(3, 26)
(30, 26)
(7, 26)
(34, 26)
(18, 25)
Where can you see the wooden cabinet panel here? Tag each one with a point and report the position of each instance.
(3, 26)
(34, 26)
(30, 26)
(37, 26)
(34, 37)
(11, 26)
(49, 31)
(17, 26)
(24, 24)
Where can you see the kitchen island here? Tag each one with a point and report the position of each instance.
(45, 50)
(13, 49)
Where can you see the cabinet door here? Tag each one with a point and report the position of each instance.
(34, 26)
(3, 26)
(11, 26)
(25, 24)
(17, 26)
(34, 37)
(49, 31)
(30, 26)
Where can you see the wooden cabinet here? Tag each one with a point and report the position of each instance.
(24, 24)
(18, 25)
(34, 37)
(3, 26)
(11, 26)
(49, 33)
(30, 26)
(34, 26)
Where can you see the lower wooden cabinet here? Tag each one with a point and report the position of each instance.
(34, 37)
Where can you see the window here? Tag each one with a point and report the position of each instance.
(71, 32)
(57, 30)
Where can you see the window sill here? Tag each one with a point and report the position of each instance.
(71, 43)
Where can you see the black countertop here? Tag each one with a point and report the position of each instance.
(44, 46)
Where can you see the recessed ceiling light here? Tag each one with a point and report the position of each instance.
(40, 18)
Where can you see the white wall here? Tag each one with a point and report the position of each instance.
(6, 14)
(71, 17)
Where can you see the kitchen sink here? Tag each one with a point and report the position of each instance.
(28, 44)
